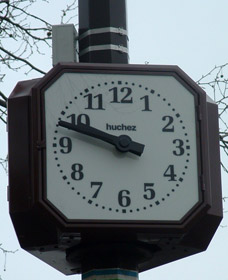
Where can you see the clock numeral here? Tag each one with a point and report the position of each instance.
(168, 127)
(149, 192)
(98, 185)
(146, 103)
(125, 99)
(180, 149)
(170, 173)
(90, 99)
(77, 173)
(123, 198)
(85, 117)
(82, 118)
(66, 144)
(72, 118)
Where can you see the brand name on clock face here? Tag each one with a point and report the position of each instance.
(121, 127)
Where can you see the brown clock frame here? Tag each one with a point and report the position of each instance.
(45, 232)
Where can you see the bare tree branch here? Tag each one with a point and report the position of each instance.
(17, 58)
(215, 82)
(24, 34)
(4, 163)
(3, 103)
(21, 34)
(3, 96)
(5, 252)
(68, 9)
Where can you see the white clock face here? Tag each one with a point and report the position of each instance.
(89, 179)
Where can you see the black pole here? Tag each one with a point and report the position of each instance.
(103, 39)
(103, 31)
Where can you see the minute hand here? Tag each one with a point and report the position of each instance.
(123, 143)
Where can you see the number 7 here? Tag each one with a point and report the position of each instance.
(98, 185)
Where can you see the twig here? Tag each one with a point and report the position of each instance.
(23, 60)
(3, 96)
(3, 104)
(5, 252)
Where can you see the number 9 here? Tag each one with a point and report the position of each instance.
(66, 144)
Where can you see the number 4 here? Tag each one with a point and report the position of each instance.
(170, 173)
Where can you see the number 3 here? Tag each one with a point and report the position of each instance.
(180, 144)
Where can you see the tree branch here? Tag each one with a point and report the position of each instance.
(23, 60)
(3, 96)
(3, 103)
(26, 30)
(30, 15)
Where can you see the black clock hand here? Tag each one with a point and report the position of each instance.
(123, 143)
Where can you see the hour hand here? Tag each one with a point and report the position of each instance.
(123, 143)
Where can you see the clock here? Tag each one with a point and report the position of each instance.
(122, 146)
(113, 157)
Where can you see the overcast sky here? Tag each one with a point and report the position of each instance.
(190, 34)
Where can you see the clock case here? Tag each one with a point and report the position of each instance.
(71, 245)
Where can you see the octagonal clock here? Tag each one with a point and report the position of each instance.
(115, 153)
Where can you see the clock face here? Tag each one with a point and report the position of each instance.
(151, 174)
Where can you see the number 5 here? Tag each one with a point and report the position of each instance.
(150, 193)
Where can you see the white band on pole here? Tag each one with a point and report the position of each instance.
(104, 47)
(117, 30)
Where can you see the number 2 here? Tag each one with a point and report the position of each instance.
(168, 127)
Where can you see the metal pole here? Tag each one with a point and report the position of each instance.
(103, 31)
(110, 274)
(103, 39)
